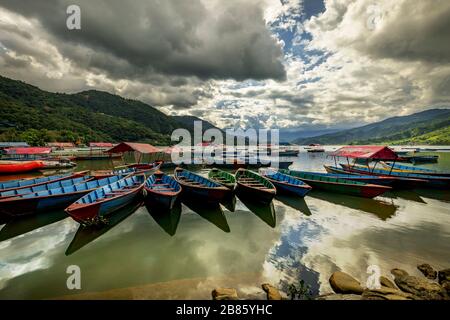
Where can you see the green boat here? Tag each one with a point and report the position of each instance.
(224, 178)
(253, 186)
(329, 183)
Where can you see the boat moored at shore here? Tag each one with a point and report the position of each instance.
(329, 183)
(251, 185)
(95, 205)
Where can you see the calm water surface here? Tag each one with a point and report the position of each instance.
(185, 254)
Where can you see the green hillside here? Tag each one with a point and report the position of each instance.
(435, 137)
(407, 128)
(36, 116)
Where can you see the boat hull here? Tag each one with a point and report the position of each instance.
(12, 167)
(264, 192)
(24, 184)
(383, 181)
(360, 191)
(415, 181)
(208, 190)
(26, 206)
(340, 185)
(206, 194)
(89, 212)
(159, 199)
(254, 194)
(417, 171)
(290, 189)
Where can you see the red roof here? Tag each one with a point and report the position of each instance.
(101, 145)
(366, 152)
(172, 149)
(28, 150)
(131, 146)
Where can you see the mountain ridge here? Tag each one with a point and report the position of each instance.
(388, 130)
(37, 116)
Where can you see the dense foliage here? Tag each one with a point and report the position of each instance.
(36, 116)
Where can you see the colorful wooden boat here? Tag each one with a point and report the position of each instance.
(101, 174)
(145, 168)
(398, 182)
(285, 183)
(94, 206)
(322, 182)
(13, 167)
(342, 174)
(224, 178)
(45, 200)
(253, 186)
(413, 170)
(200, 187)
(44, 187)
(429, 181)
(33, 182)
(161, 190)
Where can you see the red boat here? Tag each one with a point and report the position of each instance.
(12, 167)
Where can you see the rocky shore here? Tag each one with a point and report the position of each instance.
(435, 285)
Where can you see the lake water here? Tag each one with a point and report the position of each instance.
(186, 254)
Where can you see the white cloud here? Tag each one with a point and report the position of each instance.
(357, 62)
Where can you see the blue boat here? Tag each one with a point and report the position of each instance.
(285, 183)
(26, 183)
(200, 187)
(430, 181)
(413, 170)
(161, 190)
(94, 206)
(44, 187)
(56, 198)
(342, 174)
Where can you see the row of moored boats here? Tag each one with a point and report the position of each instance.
(88, 197)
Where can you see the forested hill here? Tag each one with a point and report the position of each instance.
(30, 114)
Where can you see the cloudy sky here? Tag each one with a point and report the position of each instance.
(310, 64)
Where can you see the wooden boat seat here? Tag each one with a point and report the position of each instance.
(164, 190)
(159, 184)
(255, 185)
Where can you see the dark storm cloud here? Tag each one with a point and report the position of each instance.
(421, 32)
(189, 38)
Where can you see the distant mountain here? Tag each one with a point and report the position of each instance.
(288, 135)
(405, 128)
(188, 122)
(37, 116)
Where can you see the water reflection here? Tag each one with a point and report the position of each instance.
(399, 231)
(86, 235)
(266, 212)
(436, 194)
(229, 202)
(211, 212)
(167, 219)
(21, 225)
(404, 194)
(297, 203)
(381, 209)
